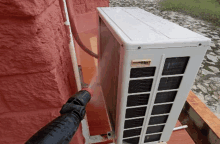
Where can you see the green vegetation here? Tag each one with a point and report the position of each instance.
(208, 10)
(207, 68)
(211, 92)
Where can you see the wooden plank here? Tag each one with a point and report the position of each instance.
(203, 111)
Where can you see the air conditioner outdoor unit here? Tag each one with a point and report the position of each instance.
(147, 67)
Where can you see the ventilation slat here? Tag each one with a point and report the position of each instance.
(132, 132)
(170, 83)
(131, 141)
(158, 119)
(136, 100)
(152, 138)
(155, 129)
(165, 97)
(142, 72)
(161, 109)
(133, 123)
(136, 86)
(176, 65)
(135, 112)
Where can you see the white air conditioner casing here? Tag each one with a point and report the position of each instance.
(147, 67)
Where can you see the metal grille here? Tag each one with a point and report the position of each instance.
(172, 66)
(161, 109)
(135, 100)
(133, 123)
(131, 141)
(135, 112)
(176, 65)
(165, 97)
(170, 83)
(142, 72)
(140, 85)
(151, 138)
(155, 129)
(132, 132)
(158, 120)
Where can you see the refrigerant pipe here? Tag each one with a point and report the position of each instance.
(180, 127)
(72, 49)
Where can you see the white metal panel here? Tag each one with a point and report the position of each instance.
(132, 27)
(165, 27)
(122, 26)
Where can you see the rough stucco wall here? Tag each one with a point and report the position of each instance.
(87, 6)
(86, 15)
(23, 8)
(36, 76)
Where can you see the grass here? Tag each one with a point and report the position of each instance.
(207, 68)
(208, 10)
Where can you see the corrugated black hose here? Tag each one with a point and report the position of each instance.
(62, 129)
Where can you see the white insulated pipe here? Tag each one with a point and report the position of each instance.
(72, 50)
(85, 127)
(180, 127)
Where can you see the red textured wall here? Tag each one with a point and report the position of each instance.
(36, 76)
(85, 13)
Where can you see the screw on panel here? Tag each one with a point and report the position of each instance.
(139, 47)
(200, 44)
(111, 135)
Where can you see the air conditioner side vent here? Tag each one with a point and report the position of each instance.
(151, 138)
(136, 100)
(170, 83)
(143, 85)
(133, 123)
(142, 72)
(175, 65)
(158, 120)
(132, 132)
(172, 66)
(155, 129)
(131, 140)
(161, 109)
(135, 112)
(163, 97)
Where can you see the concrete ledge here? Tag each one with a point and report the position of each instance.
(203, 125)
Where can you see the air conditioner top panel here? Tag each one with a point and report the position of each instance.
(134, 26)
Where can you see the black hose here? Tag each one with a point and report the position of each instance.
(74, 31)
(62, 129)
